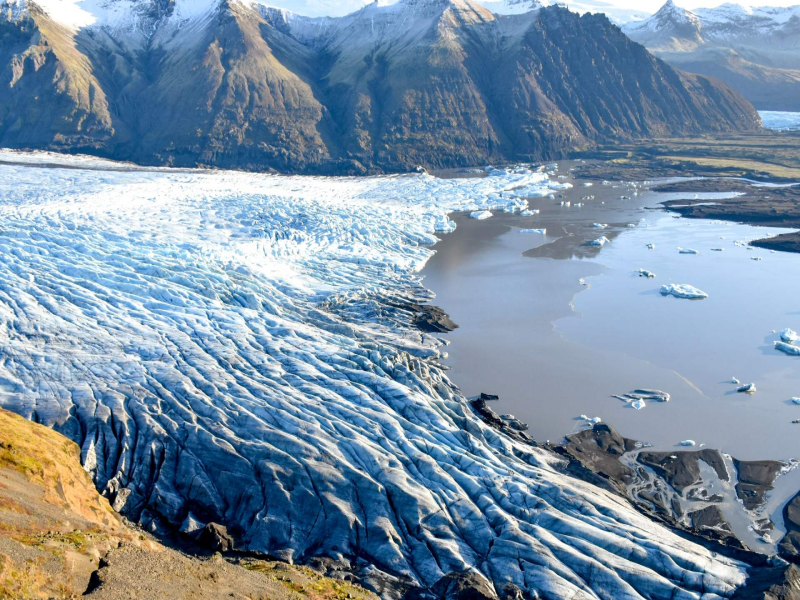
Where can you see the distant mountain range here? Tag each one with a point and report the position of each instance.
(754, 50)
(437, 83)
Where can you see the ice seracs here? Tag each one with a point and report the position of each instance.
(682, 290)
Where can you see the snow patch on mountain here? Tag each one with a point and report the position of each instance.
(234, 347)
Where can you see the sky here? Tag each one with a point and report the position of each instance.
(617, 8)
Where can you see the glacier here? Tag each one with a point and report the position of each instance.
(239, 348)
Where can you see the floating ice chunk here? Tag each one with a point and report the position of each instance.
(542, 231)
(582, 281)
(599, 225)
(480, 214)
(624, 198)
(631, 225)
(644, 394)
(529, 212)
(682, 290)
(599, 241)
(579, 205)
(795, 400)
(755, 258)
(718, 249)
(646, 273)
(638, 404)
(587, 184)
(566, 203)
(747, 388)
(735, 381)
(789, 335)
(651, 246)
(687, 443)
(788, 348)
(592, 420)
(687, 251)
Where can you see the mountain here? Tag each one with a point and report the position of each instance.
(754, 50)
(438, 83)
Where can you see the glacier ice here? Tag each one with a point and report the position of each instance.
(231, 347)
(787, 348)
(481, 214)
(789, 336)
(682, 290)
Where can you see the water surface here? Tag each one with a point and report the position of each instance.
(555, 349)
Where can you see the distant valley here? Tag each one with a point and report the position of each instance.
(754, 50)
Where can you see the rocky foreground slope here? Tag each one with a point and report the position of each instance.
(753, 50)
(423, 82)
(60, 539)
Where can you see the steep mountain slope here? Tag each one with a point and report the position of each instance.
(755, 51)
(421, 82)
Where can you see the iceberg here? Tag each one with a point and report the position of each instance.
(787, 348)
(541, 231)
(600, 225)
(735, 381)
(480, 214)
(687, 251)
(747, 388)
(644, 394)
(638, 404)
(682, 290)
(587, 184)
(687, 443)
(598, 242)
(529, 212)
(651, 246)
(789, 336)
(646, 273)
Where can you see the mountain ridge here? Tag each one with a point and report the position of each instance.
(754, 50)
(436, 83)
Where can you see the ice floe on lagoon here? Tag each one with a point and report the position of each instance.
(540, 231)
(645, 273)
(480, 215)
(599, 242)
(229, 344)
(682, 290)
(687, 251)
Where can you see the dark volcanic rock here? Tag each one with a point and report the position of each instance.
(598, 450)
(215, 537)
(755, 480)
(449, 84)
(790, 544)
(771, 583)
(681, 469)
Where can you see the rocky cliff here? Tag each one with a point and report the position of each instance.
(437, 83)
